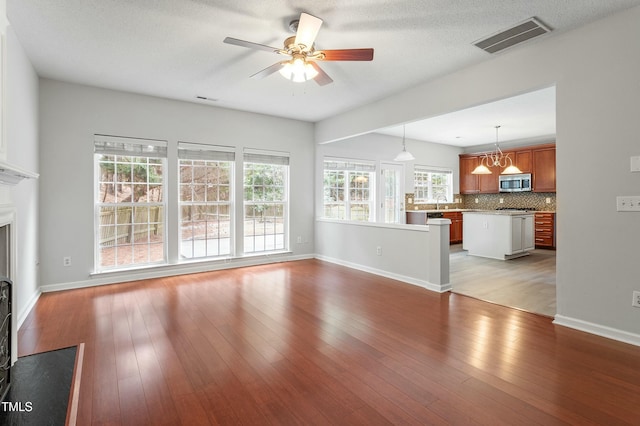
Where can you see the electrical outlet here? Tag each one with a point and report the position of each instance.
(636, 299)
(477, 201)
(299, 240)
(379, 251)
(548, 200)
(629, 203)
(66, 261)
(501, 200)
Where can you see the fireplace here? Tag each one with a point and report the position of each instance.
(5, 336)
(8, 332)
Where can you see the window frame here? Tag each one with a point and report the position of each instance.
(131, 148)
(429, 187)
(209, 156)
(251, 158)
(351, 171)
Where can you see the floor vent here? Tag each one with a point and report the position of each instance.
(515, 35)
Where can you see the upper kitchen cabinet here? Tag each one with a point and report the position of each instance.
(538, 160)
(468, 182)
(523, 160)
(544, 168)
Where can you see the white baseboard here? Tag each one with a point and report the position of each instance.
(409, 280)
(597, 329)
(172, 270)
(27, 309)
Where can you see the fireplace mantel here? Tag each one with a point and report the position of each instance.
(12, 175)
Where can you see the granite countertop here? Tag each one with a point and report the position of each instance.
(506, 212)
(438, 211)
(503, 212)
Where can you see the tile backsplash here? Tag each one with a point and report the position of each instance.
(533, 200)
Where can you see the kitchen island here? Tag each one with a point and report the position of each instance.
(499, 234)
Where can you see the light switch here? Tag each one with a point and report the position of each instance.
(635, 164)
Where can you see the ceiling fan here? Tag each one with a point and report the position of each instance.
(302, 65)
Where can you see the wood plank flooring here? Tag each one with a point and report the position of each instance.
(527, 283)
(310, 342)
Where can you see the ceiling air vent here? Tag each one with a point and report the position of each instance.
(515, 35)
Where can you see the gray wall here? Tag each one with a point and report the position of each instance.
(595, 69)
(22, 150)
(70, 116)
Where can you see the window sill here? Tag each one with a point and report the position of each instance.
(187, 264)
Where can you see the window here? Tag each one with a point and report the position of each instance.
(349, 188)
(266, 204)
(206, 176)
(432, 185)
(130, 202)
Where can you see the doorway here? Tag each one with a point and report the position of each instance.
(391, 194)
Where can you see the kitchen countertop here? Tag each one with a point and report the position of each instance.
(475, 210)
(502, 212)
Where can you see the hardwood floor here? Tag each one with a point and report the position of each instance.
(310, 342)
(527, 283)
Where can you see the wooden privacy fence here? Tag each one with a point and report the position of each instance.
(121, 225)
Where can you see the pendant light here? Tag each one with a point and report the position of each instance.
(404, 155)
(496, 158)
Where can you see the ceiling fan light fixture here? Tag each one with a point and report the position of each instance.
(298, 70)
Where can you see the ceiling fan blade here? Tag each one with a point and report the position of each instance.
(267, 71)
(308, 28)
(322, 78)
(348, 55)
(250, 45)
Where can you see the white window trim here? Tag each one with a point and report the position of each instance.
(434, 169)
(358, 165)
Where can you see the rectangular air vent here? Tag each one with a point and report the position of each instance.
(522, 32)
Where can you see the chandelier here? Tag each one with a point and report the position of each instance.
(496, 158)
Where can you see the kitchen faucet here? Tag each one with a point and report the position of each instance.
(438, 198)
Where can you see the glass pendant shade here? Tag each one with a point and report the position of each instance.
(481, 170)
(404, 154)
(298, 70)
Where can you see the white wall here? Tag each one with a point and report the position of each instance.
(69, 117)
(413, 254)
(379, 147)
(595, 69)
(22, 151)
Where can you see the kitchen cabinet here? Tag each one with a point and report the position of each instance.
(544, 169)
(455, 230)
(489, 184)
(498, 235)
(522, 230)
(523, 160)
(468, 182)
(538, 160)
(545, 233)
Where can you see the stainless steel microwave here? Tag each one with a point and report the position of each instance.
(515, 183)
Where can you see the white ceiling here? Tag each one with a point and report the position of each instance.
(174, 48)
(530, 116)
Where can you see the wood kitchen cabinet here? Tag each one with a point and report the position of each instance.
(474, 184)
(468, 182)
(538, 160)
(545, 230)
(455, 230)
(544, 169)
(523, 160)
